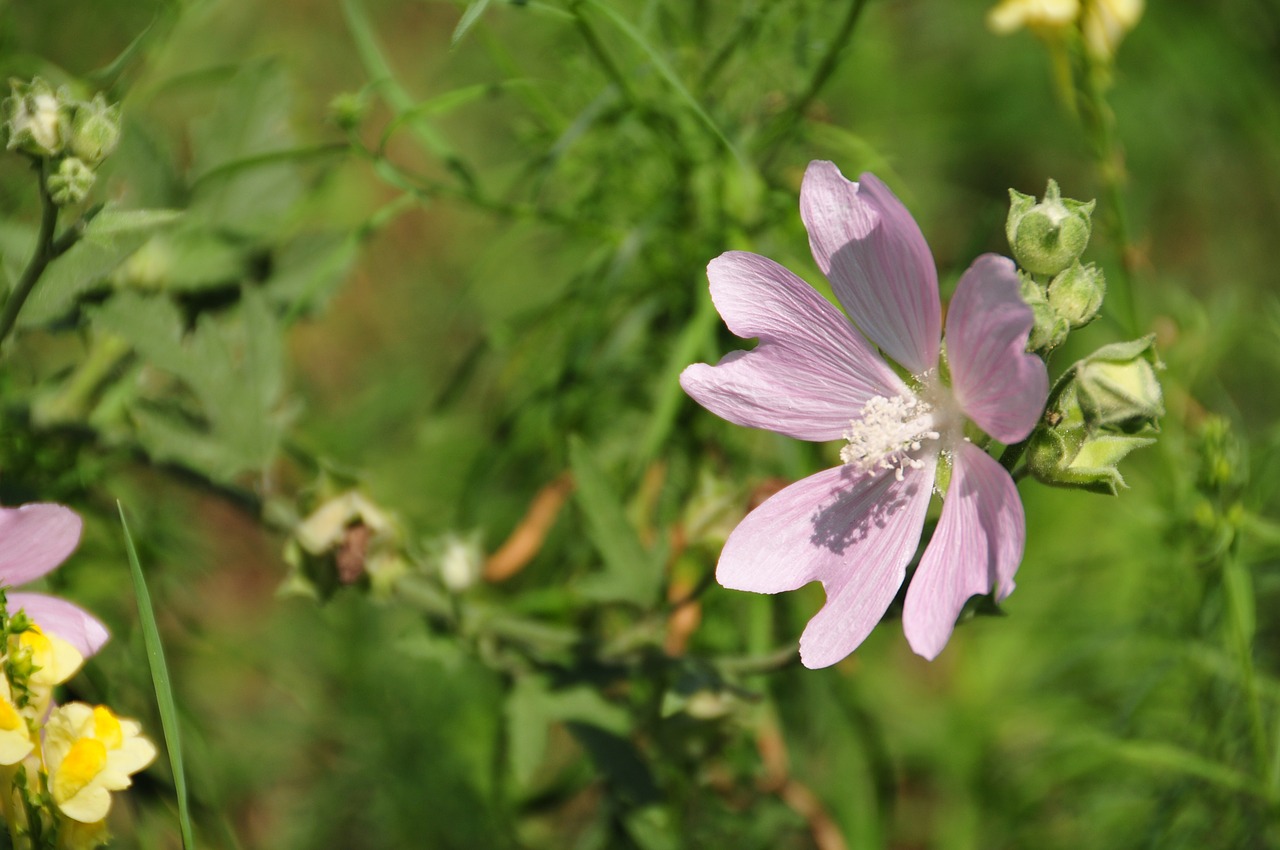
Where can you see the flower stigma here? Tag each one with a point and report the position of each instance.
(887, 432)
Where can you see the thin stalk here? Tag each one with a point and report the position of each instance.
(822, 73)
(1238, 617)
(44, 254)
(602, 56)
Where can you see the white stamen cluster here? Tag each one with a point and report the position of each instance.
(886, 432)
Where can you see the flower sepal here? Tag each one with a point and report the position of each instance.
(1104, 407)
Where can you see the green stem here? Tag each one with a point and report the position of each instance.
(1099, 124)
(602, 56)
(821, 74)
(44, 254)
(1238, 617)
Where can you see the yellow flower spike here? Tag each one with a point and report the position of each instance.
(89, 752)
(15, 737)
(1043, 17)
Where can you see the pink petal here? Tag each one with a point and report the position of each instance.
(977, 546)
(810, 374)
(853, 533)
(996, 382)
(879, 265)
(62, 618)
(34, 539)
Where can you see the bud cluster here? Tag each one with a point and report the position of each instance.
(59, 763)
(1047, 239)
(72, 136)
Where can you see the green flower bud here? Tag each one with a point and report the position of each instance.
(1049, 329)
(1104, 407)
(71, 183)
(1118, 387)
(1065, 452)
(348, 110)
(95, 129)
(1049, 236)
(1076, 294)
(36, 118)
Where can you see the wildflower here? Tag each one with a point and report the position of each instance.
(813, 376)
(33, 540)
(1040, 16)
(1106, 22)
(15, 735)
(88, 753)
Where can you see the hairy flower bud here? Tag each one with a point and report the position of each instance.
(1118, 387)
(36, 118)
(1076, 294)
(95, 129)
(71, 183)
(1106, 409)
(1049, 236)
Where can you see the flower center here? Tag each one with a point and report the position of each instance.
(887, 432)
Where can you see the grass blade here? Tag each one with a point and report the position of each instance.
(160, 680)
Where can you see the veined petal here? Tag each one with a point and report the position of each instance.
(65, 619)
(34, 539)
(977, 546)
(852, 532)
(811, 372)
(995, 381)
(879, 265)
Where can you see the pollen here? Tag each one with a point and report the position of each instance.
(887, 432)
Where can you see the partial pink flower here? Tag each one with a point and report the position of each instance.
(814, 376)
(33, 540)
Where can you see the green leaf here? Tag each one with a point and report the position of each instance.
(231, 364)
(161, 683)
(108, 240)
(631, 573)
(469, 18)
(250, 123)
(532, 707)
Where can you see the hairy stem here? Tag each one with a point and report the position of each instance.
(44, 254)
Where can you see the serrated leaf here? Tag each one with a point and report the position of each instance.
(231, 364)
(631, 573)
(251, 119)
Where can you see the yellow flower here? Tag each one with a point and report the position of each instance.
(88, 753)
(53, 660)
(1105, 23)
(15, 736)
(1039, 16)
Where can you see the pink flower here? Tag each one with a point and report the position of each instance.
(813, 376)
(33, 540)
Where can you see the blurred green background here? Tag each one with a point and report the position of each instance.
(494, 271)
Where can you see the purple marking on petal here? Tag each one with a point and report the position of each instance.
(977, 546)
(810, 374)
(34, 539)
(995, 381)
(62, 618)
(853, 533)
(878, 262)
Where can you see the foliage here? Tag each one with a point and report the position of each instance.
(451, 257)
